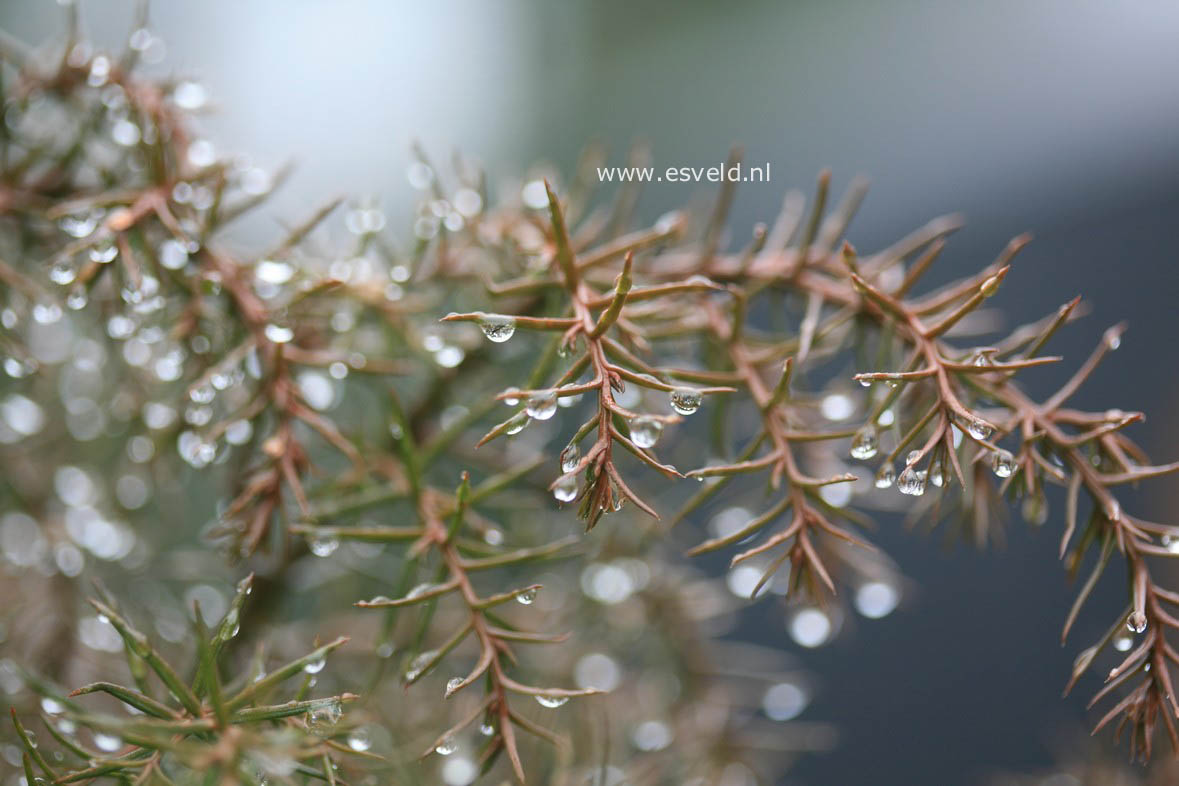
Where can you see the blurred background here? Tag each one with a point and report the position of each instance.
(1053, 117)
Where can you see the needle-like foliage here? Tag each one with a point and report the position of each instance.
(248, 728)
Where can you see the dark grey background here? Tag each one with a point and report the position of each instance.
(1056, 117)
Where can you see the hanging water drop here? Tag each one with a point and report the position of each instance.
(107, 742)
(517, 423)
(497, 327)
(325, 716)
(323, 545)
(52, 706)
(911, 482)
(46, 313)
(645, 431)
(551, 702)
(103, 252)
(885, 476)
(979, 429)
(565, 489)
(447, 746)
(569, 458)
(279, 334)
(541, 405)
(453, 684)
(314, 666)
(526, 597)
(77, 299)
(1136, 622)
(418, 665)
(360, 740)
(685, 400)
(864, 444)
(1002, 463)
(1123, 641)
(937, 473)
(62, 273)
(1170, 543)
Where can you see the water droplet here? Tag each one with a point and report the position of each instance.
(837, 406)
(52, 706)
(511, 401)
(885, 476)
(80, 225)
(420, 590)
(1002, 463)
(784, 701)
(569, 458)
(517, 423)
(685, 400)
(865, 383)
(811, 627)
(107, 742)
(360, 740)
(1136, 622)
(911, 482)
(323, 545)
(645, 431)
(1170, 543)
(189, 95)
(46, 313)
(273, 271)
(325, 715)
(534, 195)
(486, 729)
(937, 473)
(1114, 341)
(551, 702)
(1122, 642)
(865, 444)
(541, 405)
(876, 599)
(526, 597)
(497, 328)
(103, 252)
(447, 746)
(453, 684)
(77, 299)
(314, 666)
(981, 360)
(279, 334)
(201, 153)
(565, 489)
(979, 429)
(62, 273)
(173, 254)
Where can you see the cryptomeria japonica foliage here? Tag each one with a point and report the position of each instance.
(433, 425)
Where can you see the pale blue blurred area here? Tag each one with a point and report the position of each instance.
(1049, 116)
